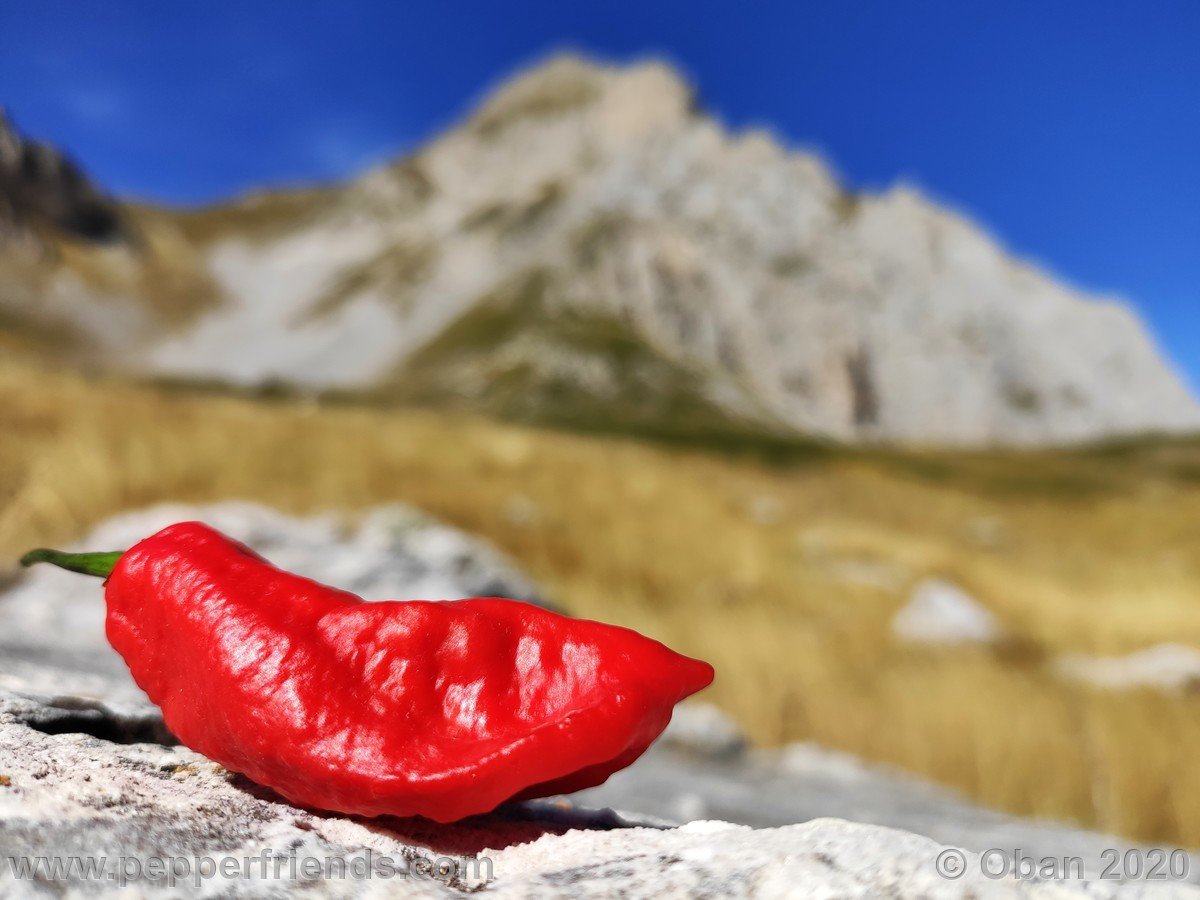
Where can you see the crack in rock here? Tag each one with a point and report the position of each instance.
(76, 715)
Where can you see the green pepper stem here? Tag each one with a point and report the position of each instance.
(98, 564)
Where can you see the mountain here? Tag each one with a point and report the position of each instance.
(590, 249)
(39, 187)
(83, 278)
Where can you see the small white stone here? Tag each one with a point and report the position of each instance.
(940, 612)
(1164, 667)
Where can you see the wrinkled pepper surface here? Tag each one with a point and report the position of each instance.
(438, 709)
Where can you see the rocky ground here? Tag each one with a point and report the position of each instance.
(87, 770)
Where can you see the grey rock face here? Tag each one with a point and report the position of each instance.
(588, 249)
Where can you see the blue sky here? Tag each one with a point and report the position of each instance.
(1071, 130)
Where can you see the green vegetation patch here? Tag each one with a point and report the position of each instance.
(518, 356)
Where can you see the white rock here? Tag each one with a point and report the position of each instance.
(72, 794)
(940, 612)
(1164, 667)
(825, 858)
(390, 552)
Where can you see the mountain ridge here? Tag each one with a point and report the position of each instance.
(685, 276)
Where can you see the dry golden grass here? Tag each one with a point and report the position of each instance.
(750, 566)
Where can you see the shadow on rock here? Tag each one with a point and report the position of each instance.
(512, 823)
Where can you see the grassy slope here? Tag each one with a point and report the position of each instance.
(501, 357)
(734, 560)
(157, 270)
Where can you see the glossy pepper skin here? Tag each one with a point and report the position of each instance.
(436, 709)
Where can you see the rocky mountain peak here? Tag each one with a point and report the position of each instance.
(40, 187)
(630, 96)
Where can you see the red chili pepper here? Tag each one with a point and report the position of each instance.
(437, 709)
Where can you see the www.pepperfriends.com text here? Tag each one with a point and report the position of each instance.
(278, 865)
